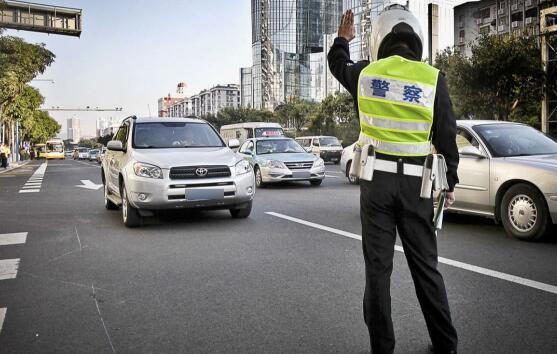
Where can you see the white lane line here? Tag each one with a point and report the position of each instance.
(8, 268)
(2, 316)
(13, 238)
(78, 240)
(29, 191)
(472, 268)
(331, 176)
(32, 184)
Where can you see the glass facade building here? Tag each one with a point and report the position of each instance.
(285, 34)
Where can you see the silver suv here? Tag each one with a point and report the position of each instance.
(169, 163)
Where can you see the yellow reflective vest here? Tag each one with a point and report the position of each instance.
(396, 97)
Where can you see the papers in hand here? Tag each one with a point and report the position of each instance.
(438, 215)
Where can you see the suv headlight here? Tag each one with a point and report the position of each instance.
(318, 163)
(243, 167)
(276, 164)
(146, 170)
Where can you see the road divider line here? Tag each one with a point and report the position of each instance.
(2, 316)
(469, 267)
(13, 238)
(8, 268)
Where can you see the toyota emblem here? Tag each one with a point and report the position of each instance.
(201, 171)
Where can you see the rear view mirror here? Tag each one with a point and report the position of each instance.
(472, 151)
(115, 145)
(233, 143)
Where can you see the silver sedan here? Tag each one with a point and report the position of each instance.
(507, 171)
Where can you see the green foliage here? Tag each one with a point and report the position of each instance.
(38, 127)
(20, 62)
(501, 80)
(89, 143)
(336, 115)
(295, 114)
(103, 140)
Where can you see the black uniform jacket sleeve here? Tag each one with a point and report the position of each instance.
(444, 123)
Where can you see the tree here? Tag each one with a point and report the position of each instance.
(336, 116)
(295, 114)
(104, 139)
(502, 79)
(89, 143)
(38, 127)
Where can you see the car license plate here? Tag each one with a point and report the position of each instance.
(301, 174)
(204, 194)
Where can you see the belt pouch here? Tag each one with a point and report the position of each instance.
(356, 159)
(427, 181)
(367, 163)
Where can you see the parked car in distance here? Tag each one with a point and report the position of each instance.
(101, 154)
(346, 162)
(68, 153)
(154, 164)
(93, 153)
(282, 159)
(81, 153)
(249, 130)
(507, 171)
(326, 147)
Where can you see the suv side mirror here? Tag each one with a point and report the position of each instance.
(472, 151)
(115, 145)
(233, 143)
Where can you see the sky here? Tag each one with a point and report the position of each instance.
(131, 52)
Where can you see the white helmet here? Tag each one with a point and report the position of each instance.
(394, 25)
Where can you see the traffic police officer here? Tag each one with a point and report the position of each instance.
(404, 109)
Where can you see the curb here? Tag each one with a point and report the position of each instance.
(14, 168)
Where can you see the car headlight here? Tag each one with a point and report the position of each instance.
(145, 170)
(318, 163)
(276, 164)
(242, 167)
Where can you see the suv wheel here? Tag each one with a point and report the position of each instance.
(523, 213)
(258, 178)
(107, 203)
(130, 215)
(241, 213)
(316, 182)
(351, 179)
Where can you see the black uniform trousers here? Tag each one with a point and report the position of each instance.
(389, 203)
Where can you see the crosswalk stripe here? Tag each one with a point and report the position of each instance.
(13, 238)
(2, 316)
(29, 190)
(8, 268)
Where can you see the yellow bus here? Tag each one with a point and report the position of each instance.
(55, 149)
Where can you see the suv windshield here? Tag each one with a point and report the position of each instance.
(277, 146)
(506, 140)
(161, 135)
(329, 141)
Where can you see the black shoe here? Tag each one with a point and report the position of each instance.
(432, 350)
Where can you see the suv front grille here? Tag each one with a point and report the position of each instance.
(299, 165)
(189, 172)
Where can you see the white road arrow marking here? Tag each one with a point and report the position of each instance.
(87, 184)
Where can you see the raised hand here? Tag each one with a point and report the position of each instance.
(346, 29)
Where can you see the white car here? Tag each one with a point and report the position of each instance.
(346, 161)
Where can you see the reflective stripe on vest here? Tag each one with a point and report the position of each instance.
(395, 100)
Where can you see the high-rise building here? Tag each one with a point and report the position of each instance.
(473, 19)
(73, 129)
(284, 35)
(246, 87)
(105, 126)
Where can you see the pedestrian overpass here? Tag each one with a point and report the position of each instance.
(28, 16)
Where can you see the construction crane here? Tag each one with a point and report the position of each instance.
(548, 32)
